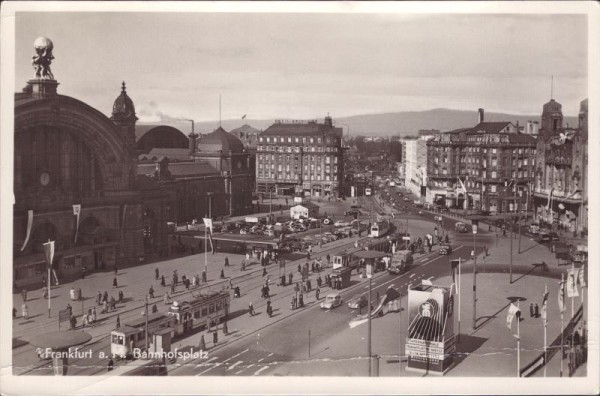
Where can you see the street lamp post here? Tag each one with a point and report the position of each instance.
(369, 275)
(474, 278)
(146, 315)
(209, 194)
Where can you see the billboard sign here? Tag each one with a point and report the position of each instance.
(430, 344)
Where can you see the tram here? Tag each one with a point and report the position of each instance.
(346, 259)
(380, 228)
(199, 313)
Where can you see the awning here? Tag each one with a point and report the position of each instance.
(370, 254)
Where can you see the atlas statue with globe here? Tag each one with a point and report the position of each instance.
(43, 58)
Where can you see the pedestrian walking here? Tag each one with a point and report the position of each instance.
(121, 296)
(319, 281)
(301, 300)
(113, 303)
(167, 298)
(110, 365)
(172, 287)
(222, 273)
(24, 295)
(154, 309)
(243, 265)
(236, 293)
(156, 273)
(531, 312)
(226, 261)
(536, 311)
(250, 309)
(73, 322)
(105, 306)
(151, 292)
(115, 282)
(99, 298)
(118, 321)
(299, 268)
(290, 278)
(24, 311)
(317, 293)
(116, 270)
(45, 292)
(264, 271)
(162, 281)
(94, 316)
(105, 296)
(204, 277)
(70, 309)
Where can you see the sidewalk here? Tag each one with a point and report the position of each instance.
(135, 282)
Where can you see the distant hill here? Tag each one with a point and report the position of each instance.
(385, 124)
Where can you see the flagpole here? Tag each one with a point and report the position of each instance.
(459, 291)
(545, 329)
(49, 288)
(562, 326)
(519, 339)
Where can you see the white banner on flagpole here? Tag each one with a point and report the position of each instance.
(572, 277)
(29, 225)
(77, 212)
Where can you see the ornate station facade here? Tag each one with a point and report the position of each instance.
(70, 158)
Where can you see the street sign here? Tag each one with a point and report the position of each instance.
(369, 271)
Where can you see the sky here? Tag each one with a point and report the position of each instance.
(302, 66)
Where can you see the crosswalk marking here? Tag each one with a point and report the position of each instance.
(206, 363)
(260, 370)
(235, 364)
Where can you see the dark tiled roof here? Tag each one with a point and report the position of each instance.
(489, 127)
(141, 130)
(180, 169)
(177, 154)
(455, 131)
(220, 140)
(245, 129)
(300, 129)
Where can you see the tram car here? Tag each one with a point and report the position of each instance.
(380, 228)
(346, 259)
(200, 312)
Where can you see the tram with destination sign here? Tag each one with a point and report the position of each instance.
(200, 312)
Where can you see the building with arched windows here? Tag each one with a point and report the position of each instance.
(560, 185)
(79, 181)
(67, 153)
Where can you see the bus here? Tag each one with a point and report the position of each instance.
(368, 192)
(200, 312)
(380, 228)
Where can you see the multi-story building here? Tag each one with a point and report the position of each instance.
(414, 157)
(561, 187)
(300, 156)
(487, 167)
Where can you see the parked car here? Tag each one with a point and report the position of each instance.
(461, 227)
(445, 249)
(357, 302)
(331, 301)
(554, 236)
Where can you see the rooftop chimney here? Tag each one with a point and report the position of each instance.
(328, 121)
(480, 116)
